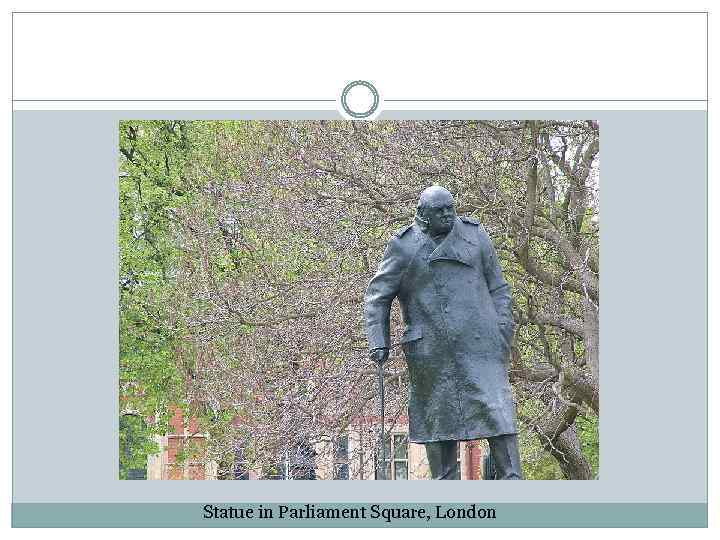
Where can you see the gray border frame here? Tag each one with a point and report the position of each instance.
(630, 176)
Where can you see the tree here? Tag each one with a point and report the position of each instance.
(152, 157)
(274, 229)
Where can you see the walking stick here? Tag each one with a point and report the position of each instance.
(381, 442)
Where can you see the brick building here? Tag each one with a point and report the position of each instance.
(181, 453)
(346, 457)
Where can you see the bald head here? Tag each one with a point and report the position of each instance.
(434, 194)
(436, 210)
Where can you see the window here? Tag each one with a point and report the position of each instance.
(400, 457)
(185, 458)
(301, 464)
(295, 463)
(341, 469)
(395, 466)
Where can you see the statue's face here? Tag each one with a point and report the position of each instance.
(440, 213)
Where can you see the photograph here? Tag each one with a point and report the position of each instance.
(359, 300)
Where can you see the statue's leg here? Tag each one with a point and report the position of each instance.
(442, 456)
(506, 457)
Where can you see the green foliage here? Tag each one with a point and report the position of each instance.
(537, 463)
(136, 444)
(157, 164)
(153, 157)
(587, 429)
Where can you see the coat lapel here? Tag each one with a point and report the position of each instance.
(453, 248)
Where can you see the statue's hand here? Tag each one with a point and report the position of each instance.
(379, 355)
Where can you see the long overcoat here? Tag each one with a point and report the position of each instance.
(458, 326)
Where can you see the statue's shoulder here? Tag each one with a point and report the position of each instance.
(403, 230)
(470, 220)
(472, 230)
(405, 239)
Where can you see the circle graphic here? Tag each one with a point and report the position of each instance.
(360, 114)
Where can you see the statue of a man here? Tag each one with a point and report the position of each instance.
(458, 327)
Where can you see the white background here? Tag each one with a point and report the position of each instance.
(659, 62)
(407, 56)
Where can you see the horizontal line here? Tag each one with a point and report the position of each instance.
(569, 99)
(385, 100)
(193, 100)
(370, 12)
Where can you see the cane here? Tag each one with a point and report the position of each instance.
(381, 392)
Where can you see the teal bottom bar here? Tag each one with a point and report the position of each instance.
(359, 515)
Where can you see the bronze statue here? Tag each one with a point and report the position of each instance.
(456, 307)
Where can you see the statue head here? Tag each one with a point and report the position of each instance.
(436, 211)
